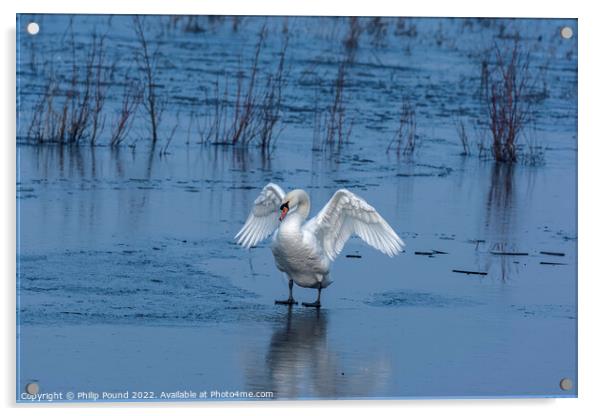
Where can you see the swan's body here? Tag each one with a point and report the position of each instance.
(303, 249)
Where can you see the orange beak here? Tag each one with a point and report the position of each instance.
(283, 214)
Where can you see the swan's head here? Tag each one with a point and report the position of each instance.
(296, 200)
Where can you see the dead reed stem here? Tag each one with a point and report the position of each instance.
(463, 136)
(404, 140)
(338, 129)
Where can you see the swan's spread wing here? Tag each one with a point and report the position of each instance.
(346, 214)
(263, 219)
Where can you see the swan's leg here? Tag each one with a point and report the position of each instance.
(315, 304)
(290, 300)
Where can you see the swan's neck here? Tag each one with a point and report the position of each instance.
(304, 206)
(295, 219)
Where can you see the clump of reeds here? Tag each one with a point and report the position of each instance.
(271, 106)
(101, 78)
(147, 61)
(508, 91)
(71, 112)
(246, 108)
(257, 107)
(405, 139)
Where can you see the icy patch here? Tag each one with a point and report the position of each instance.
(418, 299)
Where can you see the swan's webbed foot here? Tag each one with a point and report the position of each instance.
(315, 304)
(289, 301)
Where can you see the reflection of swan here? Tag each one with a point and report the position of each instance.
(304, 250)
(302, 362)
(298, 359)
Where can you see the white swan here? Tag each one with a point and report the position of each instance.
(304, 250)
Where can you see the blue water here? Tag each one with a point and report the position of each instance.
(129, 279)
